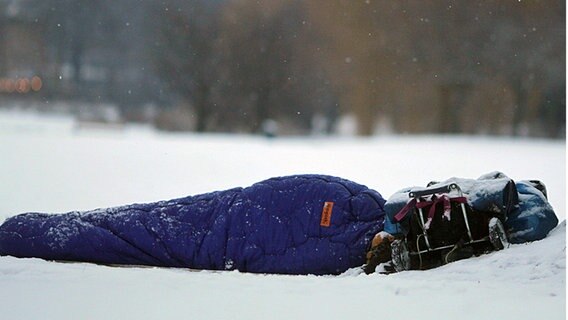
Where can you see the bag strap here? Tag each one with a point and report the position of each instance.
(432, 203)
(404, 211)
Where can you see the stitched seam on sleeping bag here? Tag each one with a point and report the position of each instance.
(369, 195)
(295, 245)
(78, 218)
(165, 248)
(228, 225)
(314, 177)
(350, 197)
(164, 205)
(340, 182)
(209, 227)
(130, 243)
(369, 192)
(199, 243)
(141, 208)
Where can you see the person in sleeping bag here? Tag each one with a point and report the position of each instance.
(302, 224)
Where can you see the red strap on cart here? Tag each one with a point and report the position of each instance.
(432, 203)
(404, 211)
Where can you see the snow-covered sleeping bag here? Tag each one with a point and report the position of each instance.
(526, 212)
(304, 224)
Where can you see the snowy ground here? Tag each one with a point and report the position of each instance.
(48, 165)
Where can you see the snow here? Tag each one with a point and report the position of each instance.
(47, 164)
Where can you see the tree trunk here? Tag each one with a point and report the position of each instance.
(261, 109)
(202, 108)
(520, 106)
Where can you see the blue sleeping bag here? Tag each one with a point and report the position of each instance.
(304, 224)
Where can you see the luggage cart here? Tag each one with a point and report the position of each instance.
(405, 254)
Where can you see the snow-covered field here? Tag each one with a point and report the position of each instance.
(48, 165)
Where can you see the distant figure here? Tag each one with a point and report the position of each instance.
(270, 128)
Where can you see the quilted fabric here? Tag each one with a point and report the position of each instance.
(304, 224)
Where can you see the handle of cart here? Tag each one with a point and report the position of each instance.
(445, 189)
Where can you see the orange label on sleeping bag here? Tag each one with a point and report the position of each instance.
(326, 214)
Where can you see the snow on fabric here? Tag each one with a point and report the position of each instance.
(273, 226)
(526, 213)
(533, 218)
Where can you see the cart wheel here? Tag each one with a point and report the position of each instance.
(497, 235)
(400, 255)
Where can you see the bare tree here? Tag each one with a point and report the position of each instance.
(186, 56)
(272, 71)
(423, 64)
